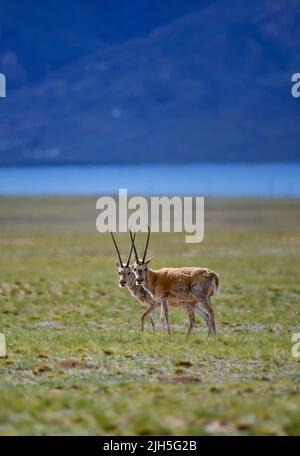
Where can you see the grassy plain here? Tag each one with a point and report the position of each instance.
(77, 362)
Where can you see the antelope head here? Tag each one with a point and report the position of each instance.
(140, 267)
(124, 269)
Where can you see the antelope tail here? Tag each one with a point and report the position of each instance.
(215, 285)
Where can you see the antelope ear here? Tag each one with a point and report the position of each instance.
(148, 261)
(117, 264)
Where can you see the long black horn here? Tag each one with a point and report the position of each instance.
(130, 253)
(147, 243)
(134, 248)
(118, 252)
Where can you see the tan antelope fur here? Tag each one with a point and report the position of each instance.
(194, 284)
(127, 279)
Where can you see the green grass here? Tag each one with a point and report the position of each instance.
(77, 362)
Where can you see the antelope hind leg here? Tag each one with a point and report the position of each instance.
(192, 319)
(210, 313)
(203, 315)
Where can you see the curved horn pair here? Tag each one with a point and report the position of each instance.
(118, 252)
(132, 237)
(134, 247)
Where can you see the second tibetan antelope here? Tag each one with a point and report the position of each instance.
(187, 283)
(127, 279)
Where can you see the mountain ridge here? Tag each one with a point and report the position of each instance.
(178, 94)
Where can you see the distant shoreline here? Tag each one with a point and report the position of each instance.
(140, 164)
(205, 179)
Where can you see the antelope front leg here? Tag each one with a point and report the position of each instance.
(164, 303)
(144, 315)
(153, 319)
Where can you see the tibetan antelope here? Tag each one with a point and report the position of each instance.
(127, 279)
(191, 284)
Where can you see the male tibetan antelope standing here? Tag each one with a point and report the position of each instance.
(190, 284)
(127, 279)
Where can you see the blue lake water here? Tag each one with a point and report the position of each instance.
(193, 179)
